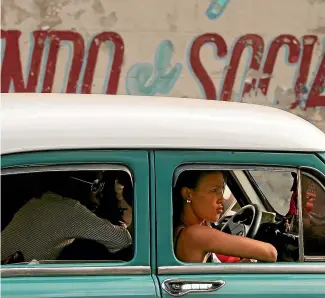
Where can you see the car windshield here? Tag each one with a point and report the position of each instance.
(276, 188)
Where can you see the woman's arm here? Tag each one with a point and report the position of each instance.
(204, 239)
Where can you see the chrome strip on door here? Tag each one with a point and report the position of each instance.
(75, 271)
(276, 268)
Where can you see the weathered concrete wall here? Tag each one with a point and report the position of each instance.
(260, 51)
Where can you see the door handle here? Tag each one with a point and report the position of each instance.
(180, 287)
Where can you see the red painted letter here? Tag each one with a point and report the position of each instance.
(293, 57)
(315, 99)
(11, 70)
(257, 44)
(309, 42)
(78, 54)
(92, 60)
(196, 64)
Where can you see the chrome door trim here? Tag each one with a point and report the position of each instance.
(243, 268)
(78, 166)
(73, 271)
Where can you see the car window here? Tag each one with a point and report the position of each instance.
(313, 210)
(67, 216)
(275, 187)
(193, 195)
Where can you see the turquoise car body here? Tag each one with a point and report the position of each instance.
(154, 261)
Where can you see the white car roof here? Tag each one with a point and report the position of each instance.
(34, 122)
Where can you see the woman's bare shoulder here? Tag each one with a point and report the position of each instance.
(196, 230)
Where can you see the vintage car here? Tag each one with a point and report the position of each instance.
(274, 162)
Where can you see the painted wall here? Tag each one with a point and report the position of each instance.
(259, 51)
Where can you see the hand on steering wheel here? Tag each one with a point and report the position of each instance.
(245, 222)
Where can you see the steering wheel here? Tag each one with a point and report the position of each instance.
(245, 222)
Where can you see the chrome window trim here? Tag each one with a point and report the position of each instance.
(311, 176)
(304, 257)
(277, 168)
(38, 168)
(209, 166)
(274, 268)
(314, 259)
(62, 271)
(300, 222)
(313, 169)
(74, 271)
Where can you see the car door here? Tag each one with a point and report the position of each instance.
(84, 278)
(280, 279)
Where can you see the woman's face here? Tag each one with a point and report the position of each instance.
(207, 198)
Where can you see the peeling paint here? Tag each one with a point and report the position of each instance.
(285, 96)
(22, 15)
(256, 74)
(196, 10)
(312, 2)
(3, 15)
(172, 21)
(109, 21)
(49, 12)
(78, 14)
(45, 28)
(254, 97)
(319, 30)
(98, 7)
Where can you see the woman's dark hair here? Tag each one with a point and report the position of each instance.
(190, 179)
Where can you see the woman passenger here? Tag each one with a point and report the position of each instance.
(198, 200)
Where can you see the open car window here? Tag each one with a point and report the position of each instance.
(243, 191)
(67, 214)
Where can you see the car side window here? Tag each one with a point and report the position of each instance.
(67, 216)
(313, 211)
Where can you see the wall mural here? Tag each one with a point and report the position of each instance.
(50, 47)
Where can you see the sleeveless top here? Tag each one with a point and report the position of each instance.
(209, 257)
